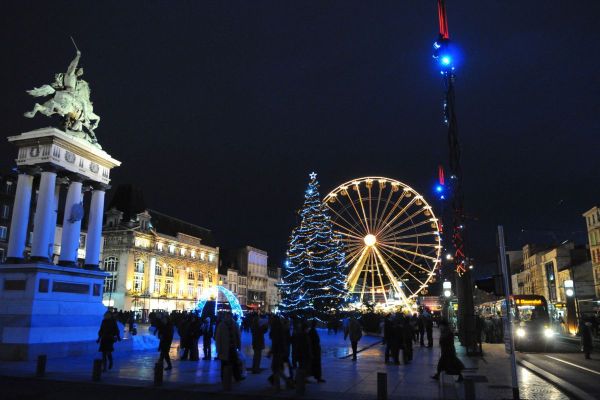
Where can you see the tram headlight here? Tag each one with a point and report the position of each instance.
(520, 332)
(548, 333)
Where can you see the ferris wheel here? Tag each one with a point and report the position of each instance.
(391, 238)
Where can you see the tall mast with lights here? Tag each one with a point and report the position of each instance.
(446, 57)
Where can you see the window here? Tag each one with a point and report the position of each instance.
(138, 282)
(172, 249)
(111, 264)
(200, 276)
(3, 232)
(138, 266)
(169, 286)
(157, 286)
(110, 283)
(82, 241)
(202, 255)
(193, 254)
(9, 186)
(170, 271)
(159, 246)
(199, 288)
(210, 277)
(211, 257)
(182, 252)
(157, 269)
(191, 275)
(2, 259)
(5, 211)
(190, 290)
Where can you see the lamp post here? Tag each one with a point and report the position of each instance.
(571, 306)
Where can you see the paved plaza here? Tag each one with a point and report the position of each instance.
(352, 380)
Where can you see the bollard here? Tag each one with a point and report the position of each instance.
(40, 369)
(97, 369)
(469, 389)
(158, 374)
(300, 381)
(226, 377)
(382, 386)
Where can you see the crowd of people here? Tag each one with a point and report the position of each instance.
(295, 345)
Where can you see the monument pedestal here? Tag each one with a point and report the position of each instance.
(49, 309)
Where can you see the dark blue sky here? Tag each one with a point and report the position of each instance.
(219, 110)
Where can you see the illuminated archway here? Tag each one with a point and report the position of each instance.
(236, 308)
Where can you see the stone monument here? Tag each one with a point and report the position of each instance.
(45, 308)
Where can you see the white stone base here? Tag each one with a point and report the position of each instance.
(49, 309)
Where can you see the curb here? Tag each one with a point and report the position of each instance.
(560, 383)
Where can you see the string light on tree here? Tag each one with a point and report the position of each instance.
(313, 281)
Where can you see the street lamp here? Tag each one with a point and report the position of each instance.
(447, 286)
(569, 289)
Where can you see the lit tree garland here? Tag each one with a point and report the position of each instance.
(313, 283)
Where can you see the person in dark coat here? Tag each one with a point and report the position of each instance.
(207, 335)
(448, 362)
(428, 328)
(258, 331)
(315, 351)
(194, 332)
(388, 332)
(421, 327)
(107, 336)
(278, 350)
(303, 349)
(408, 336)
(354, 332)
(396, 340)
(184, 337)
(165, 334)
(585, 331)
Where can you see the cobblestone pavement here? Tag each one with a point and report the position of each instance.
(353, 380)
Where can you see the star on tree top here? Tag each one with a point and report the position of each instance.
(313, 175)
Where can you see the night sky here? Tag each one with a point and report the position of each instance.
(219, 110)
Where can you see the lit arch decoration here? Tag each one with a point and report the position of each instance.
(236, 308)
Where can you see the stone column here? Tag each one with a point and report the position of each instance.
(94, 230)
(54, 215)
(20, 218)
(42, 224)
(71, 227)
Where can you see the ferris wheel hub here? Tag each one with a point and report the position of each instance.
(370, 240)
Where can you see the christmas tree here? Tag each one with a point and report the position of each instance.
(313, 280)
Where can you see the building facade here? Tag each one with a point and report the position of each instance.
(592, 222)
(545, 270)
(255, 286)
(157, 262)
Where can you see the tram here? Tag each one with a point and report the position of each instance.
(531, 321)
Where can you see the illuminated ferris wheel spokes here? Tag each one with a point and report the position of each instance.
(391, 239)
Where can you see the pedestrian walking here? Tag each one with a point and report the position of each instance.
(107, 336)
(194, 332)
(448, 362)
(407, 335)
(421, 327)
(278, 349)
(388, 337)
(165, 335)
(207, 335)
(397, 339)
(184, 338)
(429, 327)
(258, 331)
(228, 343)
(354, 332)
(315, 348)
(585, 332)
